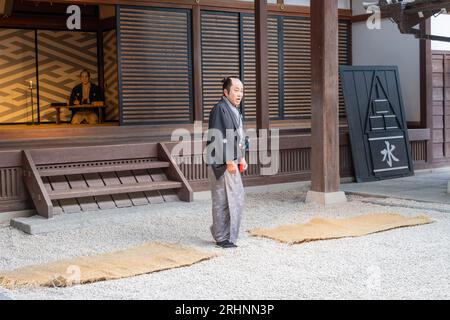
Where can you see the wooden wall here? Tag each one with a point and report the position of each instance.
(155, 70)
(249, 72)
(441, 106)
(220, 54)
(294, 163)
(227, 48)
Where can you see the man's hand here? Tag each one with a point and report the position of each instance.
(244, 164)
(76, 102)
(231, 167)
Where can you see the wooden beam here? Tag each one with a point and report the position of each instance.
(325, 176)
(45, 22)
(102, 153)
(419, 134)
(173, 172)
(108, 24)
(10, 159)
(261, 63)
(366, 16)
(35, 187)
(100, 63)
(61, 171)
(220, 5)
(114, 189)
(197, 63)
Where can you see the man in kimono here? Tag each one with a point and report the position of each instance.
(84, 93)
(226, 162)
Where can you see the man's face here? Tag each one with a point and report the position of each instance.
(236, 92)
(85, 79)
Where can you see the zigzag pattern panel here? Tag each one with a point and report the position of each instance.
(111, 80)
(18, 68)
(61, 57)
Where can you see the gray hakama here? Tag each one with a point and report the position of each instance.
(227, 205)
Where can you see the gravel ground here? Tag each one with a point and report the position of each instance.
(407, 263)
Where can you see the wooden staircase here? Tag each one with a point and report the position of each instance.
(102, 177)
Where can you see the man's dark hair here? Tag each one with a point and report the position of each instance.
(228, 83)
(85, 71)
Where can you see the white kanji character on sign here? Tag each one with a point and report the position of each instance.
(388, 154)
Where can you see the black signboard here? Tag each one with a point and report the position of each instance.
(376, 121)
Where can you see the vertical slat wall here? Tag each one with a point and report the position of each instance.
(10, 183)
(224, 53)
(274, 67)
(344, 58)
(297, 67)
(220, 54)
(155, 65)
(249, 74)
(441, 104)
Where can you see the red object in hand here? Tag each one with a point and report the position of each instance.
(242, 167)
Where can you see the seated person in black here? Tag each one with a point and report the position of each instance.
(84, 93)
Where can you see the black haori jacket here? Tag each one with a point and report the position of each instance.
(77, 94)
(222, 119)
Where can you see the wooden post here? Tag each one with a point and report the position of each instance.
(426, 87)
(325, 177)
(101, 68)
(197, 63)
(100, 61)
(35, 186)
(262, 61)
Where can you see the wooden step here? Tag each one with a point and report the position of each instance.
(117, 189)
(108, 168)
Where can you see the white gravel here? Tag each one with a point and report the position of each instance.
(407, 263)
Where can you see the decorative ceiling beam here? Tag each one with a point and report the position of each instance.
(407, 15)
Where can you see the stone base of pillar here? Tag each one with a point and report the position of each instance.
(325, 199)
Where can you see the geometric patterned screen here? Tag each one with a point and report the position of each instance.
(61, 57)
(17, 69)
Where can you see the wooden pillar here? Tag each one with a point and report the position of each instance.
(325, 178)
(197, 63)
(426, 87)
(100, 61)
(262, 61)
(101, 70)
